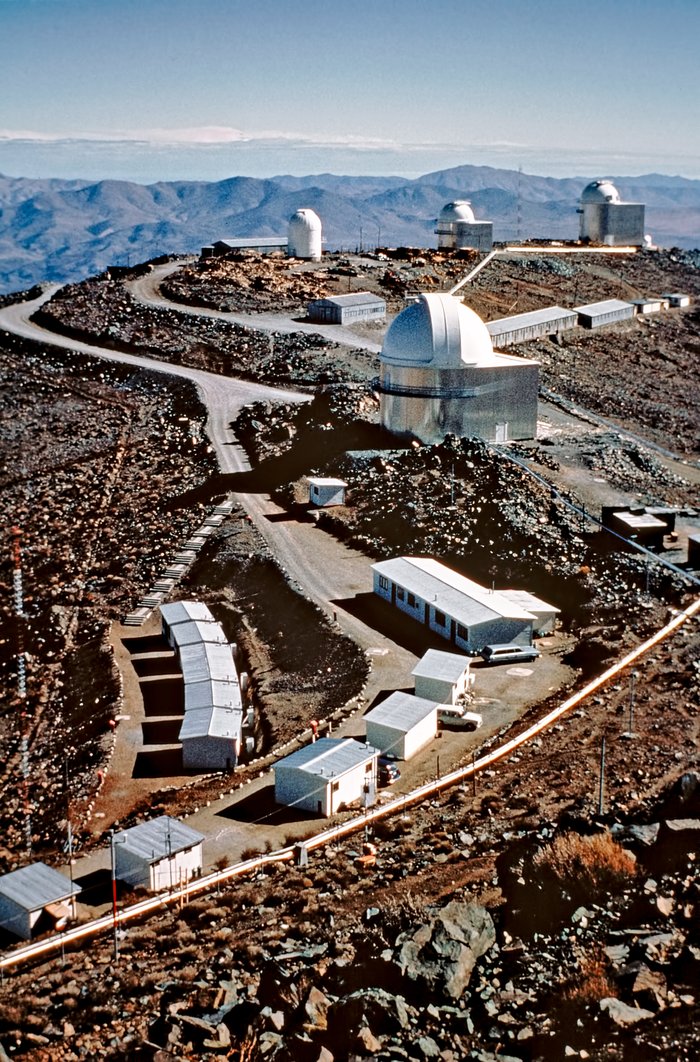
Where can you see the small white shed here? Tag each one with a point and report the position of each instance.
(36, 897)
(402, 725)
(159, 854)
(211, 738)
(326, 490)
(676, 299)
(442, 677)
(177, 612)
(327, 774)
(195, 631)
(205, 660)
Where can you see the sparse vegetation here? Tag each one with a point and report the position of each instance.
(586, 866)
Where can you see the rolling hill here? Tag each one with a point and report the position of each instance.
(53, 230)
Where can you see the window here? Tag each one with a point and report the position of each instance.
(399, 594)
(383, 582)
(335, 787)
(440, 619)
(411, 600)
(368, 767)
(462, 632)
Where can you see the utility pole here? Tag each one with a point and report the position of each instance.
(18, 596)
(633, 676)
(601, 790)
(113, 842)
(519, 217)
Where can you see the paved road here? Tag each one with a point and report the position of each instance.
(325, 569)
(223, 396)
(146, 290)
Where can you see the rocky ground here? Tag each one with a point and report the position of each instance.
(510, 922)
(501, 923)
(97, 460)
(101, 310)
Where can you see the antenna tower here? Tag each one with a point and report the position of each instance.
(18, 596)
(519, 216)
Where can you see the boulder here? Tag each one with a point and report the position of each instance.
(316, 1010)
(622, 1014)
(441, 954)
(371, 1007)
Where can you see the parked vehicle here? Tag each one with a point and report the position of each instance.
(388, 772)
(457, 718)
(509, 654)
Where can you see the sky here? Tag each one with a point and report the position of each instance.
(151, 90)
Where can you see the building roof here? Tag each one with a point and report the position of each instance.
(158, 838)
(436, 663)
(240, 242)
(212, 694)
(528, 601)
(602, 191)
(354, 298)
(402, 711)
(185, 612)
(640, 521)
(211, 722)
(35, 886)
(438, 331)
(457, 210)
(189, 633)
(326, 481)
(599, 309)
(457, 596)
(527, 320)
(204, 660)
(329, 757)
(305, 218)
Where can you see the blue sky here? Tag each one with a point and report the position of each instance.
(165, 89)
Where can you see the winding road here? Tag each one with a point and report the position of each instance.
(323, 568)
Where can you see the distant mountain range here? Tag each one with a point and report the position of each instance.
(59, 230)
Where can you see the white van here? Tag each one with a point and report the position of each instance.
(509, 654)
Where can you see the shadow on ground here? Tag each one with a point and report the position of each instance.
(158, 665)
(163, 696)
(148, 643)
(260, 807)
(159, 763)
(383, 617)
(161, 731)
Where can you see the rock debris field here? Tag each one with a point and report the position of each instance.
(529, 918)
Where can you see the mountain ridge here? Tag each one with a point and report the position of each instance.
(63, 230)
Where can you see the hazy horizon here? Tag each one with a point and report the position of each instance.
(149, 163)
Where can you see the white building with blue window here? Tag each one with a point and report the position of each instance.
(454, 607)
(328, 774)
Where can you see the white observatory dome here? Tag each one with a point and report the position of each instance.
(439, 332)
(603, 191)
(458, 210)
(305, 235)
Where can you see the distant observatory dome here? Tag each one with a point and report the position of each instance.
(458, 210)
(439, 332)
(603, 191)
(305, 235)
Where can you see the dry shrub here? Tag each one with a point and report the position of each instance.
(592, 982)
(589, 865)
